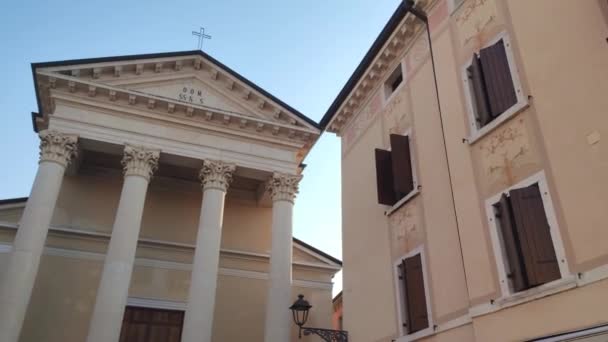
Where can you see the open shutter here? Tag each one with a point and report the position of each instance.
(497, 77)
(407, 323)
(535, 235)
(511, 244)
(416, 297)
(480, 96)
(384, 177)
(403, 177)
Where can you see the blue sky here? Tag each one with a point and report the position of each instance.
(300, 51)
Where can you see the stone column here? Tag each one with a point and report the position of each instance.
(56, 151)
(138, 164)
(198, 322)
(283, 189)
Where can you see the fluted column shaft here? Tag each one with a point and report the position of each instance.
(106, 323)
(198, 322)
(56, 151)
(283, 189)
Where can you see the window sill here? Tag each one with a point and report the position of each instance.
(485, 130)
(529, 295)
(403, 201)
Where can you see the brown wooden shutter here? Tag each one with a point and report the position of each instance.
(384, 177)
(416, 297)
(497, 77)
(151, 325)
(535, 235)
(480, 96)
(407, 323)
(511, 244)
(403, 177)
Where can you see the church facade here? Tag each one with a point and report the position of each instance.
(161, 209)
(474, 177)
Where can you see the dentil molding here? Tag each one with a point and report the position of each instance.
(283, 187)
(57, 147)
(140, 161)
(216, 174)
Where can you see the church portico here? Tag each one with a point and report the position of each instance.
(173, 202)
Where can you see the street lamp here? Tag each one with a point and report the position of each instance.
(300, 309)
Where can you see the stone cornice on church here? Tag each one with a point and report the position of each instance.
(376, 67)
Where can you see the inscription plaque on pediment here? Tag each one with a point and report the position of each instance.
(191, 91)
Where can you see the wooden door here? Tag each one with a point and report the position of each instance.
(151, 325)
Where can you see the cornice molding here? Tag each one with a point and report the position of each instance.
(57, 147)
(399, 43)
(79, 88)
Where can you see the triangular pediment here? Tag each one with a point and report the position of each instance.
(182, 79)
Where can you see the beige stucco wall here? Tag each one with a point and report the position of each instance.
(563, 67)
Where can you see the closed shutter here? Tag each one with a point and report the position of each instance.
(497, 77)
(403, 177)
(535, 236)
(384, 178)
(416, 297)
(482, 106)
(511, 244)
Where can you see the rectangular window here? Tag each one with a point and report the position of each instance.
(492, 87)
(393, 81)
(394, 172)
(491, 84)
(412, 294)
(526, 238)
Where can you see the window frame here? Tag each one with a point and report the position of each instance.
(415, 191)
(388, 81)
(401, 309)
(475, 132)
(506, 288)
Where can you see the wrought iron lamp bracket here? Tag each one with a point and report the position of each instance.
(326, 334)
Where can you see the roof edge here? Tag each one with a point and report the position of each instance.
(318, 251)
(164, 55)
(367, 60)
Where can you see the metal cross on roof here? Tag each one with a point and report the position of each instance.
(201, 37)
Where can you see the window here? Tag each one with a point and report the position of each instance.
(412, 294)
(394, 172)
(493, 89)
(393, 81)
(526, 238)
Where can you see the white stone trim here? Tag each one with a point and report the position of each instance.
(153, 303)
(476, 133)
(170, 146)
(401, 310)
(171, 265)
(166, 244)
(497, 243)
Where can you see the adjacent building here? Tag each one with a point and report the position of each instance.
(117, 241)
(474, 178)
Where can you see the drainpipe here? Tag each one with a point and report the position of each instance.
(421, 15)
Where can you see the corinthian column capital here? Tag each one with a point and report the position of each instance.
(139, 161)
(216, 174)
(57, 147)
(283, 187)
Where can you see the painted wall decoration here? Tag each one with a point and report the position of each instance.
(473, 19)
